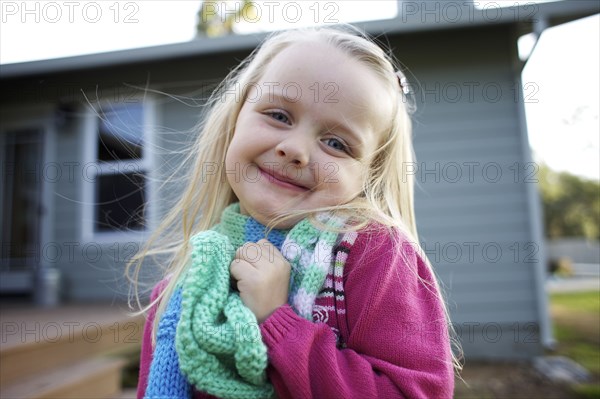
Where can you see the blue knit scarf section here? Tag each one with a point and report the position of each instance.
(165, 378)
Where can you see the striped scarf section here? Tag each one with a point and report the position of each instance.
(207, 337)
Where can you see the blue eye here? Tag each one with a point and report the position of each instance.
(279, 117)
(336, 144)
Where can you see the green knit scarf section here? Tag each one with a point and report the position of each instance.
(218, 339)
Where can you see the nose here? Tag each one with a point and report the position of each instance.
(293, 150)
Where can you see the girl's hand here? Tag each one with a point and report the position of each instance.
(263, 276)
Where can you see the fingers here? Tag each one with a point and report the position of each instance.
(261, 275)
(258, 254)
(240, 269)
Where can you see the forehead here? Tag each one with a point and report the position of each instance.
(318, 74)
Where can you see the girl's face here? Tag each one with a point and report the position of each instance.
(306, 133)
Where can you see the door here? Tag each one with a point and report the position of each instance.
(22, 152)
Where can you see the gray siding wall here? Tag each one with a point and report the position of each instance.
(471, 195)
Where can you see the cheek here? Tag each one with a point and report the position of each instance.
(231, 154)
(238, 148)
(234, 159)
(345, 180)
(354, 184)
(249, 141)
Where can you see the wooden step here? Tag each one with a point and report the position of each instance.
(37, 340)
(95, 378)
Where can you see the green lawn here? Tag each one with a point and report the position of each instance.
(576, 318)
(576, 321)
(586, 302)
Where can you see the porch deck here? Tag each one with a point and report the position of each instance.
(70, 351)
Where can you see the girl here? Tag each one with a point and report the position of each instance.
(296, 272)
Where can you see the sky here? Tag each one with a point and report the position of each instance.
(563, 125)
(560, 79)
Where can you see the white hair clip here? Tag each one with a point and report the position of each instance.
(403, 82)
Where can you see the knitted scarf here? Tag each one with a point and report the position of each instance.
(206, 337)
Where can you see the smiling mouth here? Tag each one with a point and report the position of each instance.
(282, 181)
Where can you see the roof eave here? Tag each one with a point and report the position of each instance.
(412, 17)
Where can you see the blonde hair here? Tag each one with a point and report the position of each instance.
(387, 194)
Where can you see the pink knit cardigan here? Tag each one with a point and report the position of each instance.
(391, 340)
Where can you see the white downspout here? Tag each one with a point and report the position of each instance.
(535, 208)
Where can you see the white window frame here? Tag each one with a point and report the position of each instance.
(92, 166)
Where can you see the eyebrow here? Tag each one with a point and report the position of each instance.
(271, 97)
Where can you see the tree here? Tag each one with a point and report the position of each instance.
(218, 18)
(571, 204)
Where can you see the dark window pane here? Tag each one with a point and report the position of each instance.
(120, 132)
(120, 202)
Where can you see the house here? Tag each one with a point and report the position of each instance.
(86, 141)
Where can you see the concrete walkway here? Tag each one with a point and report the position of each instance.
(572, 284)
